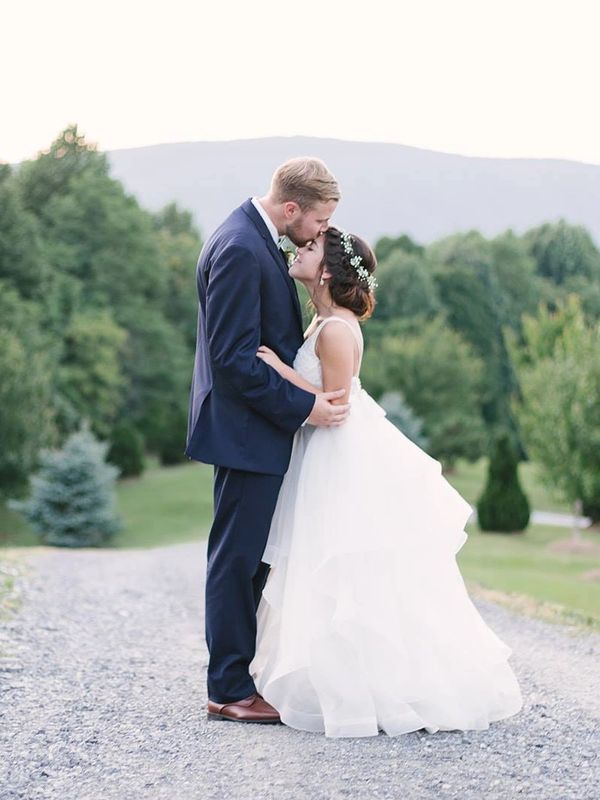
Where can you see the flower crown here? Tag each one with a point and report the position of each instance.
(356, 262)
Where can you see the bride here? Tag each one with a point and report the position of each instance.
(364, 623)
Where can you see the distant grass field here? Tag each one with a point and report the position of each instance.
(174, 504)
(524, 564)
(166, 505)
(163, 506)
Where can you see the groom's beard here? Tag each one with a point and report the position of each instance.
(292, 232)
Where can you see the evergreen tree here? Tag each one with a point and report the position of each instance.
(503, 506)
(127, 450)
(72, 496)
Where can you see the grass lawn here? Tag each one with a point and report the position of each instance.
(524, 564)
(174, 504)
(165, 505)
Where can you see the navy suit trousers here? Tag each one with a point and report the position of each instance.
(244, 503)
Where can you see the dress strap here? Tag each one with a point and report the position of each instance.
(357, 336)
(345, 321)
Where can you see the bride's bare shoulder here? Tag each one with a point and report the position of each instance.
(335, 337)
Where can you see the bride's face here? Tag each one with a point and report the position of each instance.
(307, 266)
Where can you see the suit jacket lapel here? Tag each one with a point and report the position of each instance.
(277, 254)
(279, 257)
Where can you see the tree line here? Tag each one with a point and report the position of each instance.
(482, 339)
(472, 338)
(97, 312)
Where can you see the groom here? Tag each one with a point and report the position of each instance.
(243, 415)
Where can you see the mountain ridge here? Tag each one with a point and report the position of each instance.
(424, 193)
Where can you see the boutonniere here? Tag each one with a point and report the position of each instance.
(289, 250)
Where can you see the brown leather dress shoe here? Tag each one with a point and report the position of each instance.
(250, 709)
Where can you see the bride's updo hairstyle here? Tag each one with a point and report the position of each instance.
(350, 286)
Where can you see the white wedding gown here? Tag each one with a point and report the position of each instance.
(364, 623)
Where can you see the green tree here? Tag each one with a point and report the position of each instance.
(115, 308)
(559, 410)
(91, 379)
(514, 270)
(22, 264)
(72, 496)
(126, 450)
(472, 295)
(50, 174)
(587, 290)
(406, 287)
(440, 377)
(27, 367)
(388, 244)
(562, 251)
(101, 237)
(179, 244)
(543, 332)
(158, 365)
(503, 506)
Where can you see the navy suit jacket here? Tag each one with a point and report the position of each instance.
(242, 413)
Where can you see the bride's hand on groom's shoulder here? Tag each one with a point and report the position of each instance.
(269, 357)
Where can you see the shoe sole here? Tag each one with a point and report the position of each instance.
(222, 717)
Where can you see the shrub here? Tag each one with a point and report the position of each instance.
(72, 496)
(127, 450)
(503, 506)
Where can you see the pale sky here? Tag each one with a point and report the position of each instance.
(503, 78)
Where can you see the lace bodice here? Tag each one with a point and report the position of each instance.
(307, 362)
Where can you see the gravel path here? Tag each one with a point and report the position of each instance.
(102, 693)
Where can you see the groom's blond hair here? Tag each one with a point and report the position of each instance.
(305, 181)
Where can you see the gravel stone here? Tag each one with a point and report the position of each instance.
(102, 695)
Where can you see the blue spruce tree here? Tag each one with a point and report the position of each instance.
(72, 496)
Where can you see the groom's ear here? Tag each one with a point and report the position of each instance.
(290, 209)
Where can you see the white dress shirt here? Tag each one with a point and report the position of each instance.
(274, 233)
(267, 220)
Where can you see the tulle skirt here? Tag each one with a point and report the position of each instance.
(365, 623)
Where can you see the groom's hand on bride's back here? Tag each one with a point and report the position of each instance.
(327, 414)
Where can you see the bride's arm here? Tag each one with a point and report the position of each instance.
(335, 347)
(290, 374)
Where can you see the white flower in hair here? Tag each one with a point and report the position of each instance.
(356, 262)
